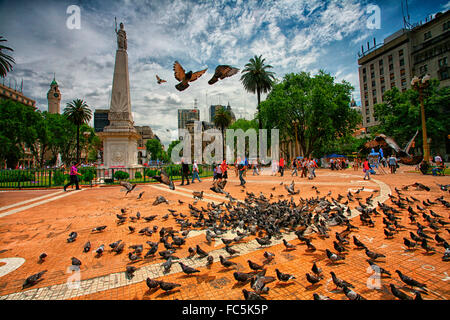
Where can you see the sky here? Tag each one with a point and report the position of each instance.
(292, 36)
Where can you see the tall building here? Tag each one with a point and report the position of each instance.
(100, 119)
(417, 51)
(54, 98)
(213, 109)
(185, 115)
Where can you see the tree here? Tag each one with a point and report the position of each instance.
(6, 60)
(399, 115)
(155, 148)
(17, 130)
(78, 113)
(320, 106)
(171, 146)
(256, 79)
(222, 119)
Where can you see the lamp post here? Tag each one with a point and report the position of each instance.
(419, 85)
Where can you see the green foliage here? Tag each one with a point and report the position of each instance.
(150, 172)
(121, 175)
(88, 174)
(18, 129)
(399, 115)
(16, 176)
(257, 79)
(318, 104)
(170, 148)
(6, 61)
(59, 177)
(155, 148)
(137, 175)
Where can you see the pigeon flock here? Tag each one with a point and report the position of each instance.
(221, 72)
(266, 220)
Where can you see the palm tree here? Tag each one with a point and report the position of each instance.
(5, 60)
(256, 79)
(78, 113)
(222, 119)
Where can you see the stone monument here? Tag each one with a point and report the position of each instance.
(120, 137)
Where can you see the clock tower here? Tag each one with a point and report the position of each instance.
(54, 97)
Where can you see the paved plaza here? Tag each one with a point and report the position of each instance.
(37, 221)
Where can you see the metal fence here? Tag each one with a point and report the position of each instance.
(48, 178)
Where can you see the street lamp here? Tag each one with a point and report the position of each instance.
(419, 85)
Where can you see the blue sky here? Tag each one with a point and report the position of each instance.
(293, 36)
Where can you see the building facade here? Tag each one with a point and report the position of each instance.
(185, 115)
(9, 93)
(100, 119)
(406, 53)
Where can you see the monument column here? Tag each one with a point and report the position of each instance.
(120, 137)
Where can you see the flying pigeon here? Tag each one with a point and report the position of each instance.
(222, 72)
(184, 77)
(159, 80)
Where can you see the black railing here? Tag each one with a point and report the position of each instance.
(47, 178)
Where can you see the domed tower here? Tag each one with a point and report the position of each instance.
(54, 98)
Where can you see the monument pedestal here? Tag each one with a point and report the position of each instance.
(120, 149)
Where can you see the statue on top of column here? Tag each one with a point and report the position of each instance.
(121, 37)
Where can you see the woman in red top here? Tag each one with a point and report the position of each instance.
(224, 168)
(281, 165)
(366, 169)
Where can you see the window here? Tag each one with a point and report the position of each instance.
(402, 72)
(427, 35)
(364, 70)
(368, 119)
(403, 82)
(364, 78)
(371, 66)
(365, 86)
(392, 76)
(366, 102)
(372, 75)
(375, 100)
(381, 70)
(374, 93)
(442, 62)
(380, 62)
(444, 74)
(423, 69)
(373, 83)
(391, 67)
(382, 80)
(402, 62)
(400, 52)
(383, 89)
(446, 26)
(365, 95)
(392, 85)
(390, 58)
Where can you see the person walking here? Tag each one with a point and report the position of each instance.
(294, 167)
(366, 169)
(73, 176)
(224, 169)
(242, 168)
(184, 172)
(392, 163)
(304, 168)
(314, 166)
(281, 166)
(255, 167)
(274, 167)
(195, 173)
